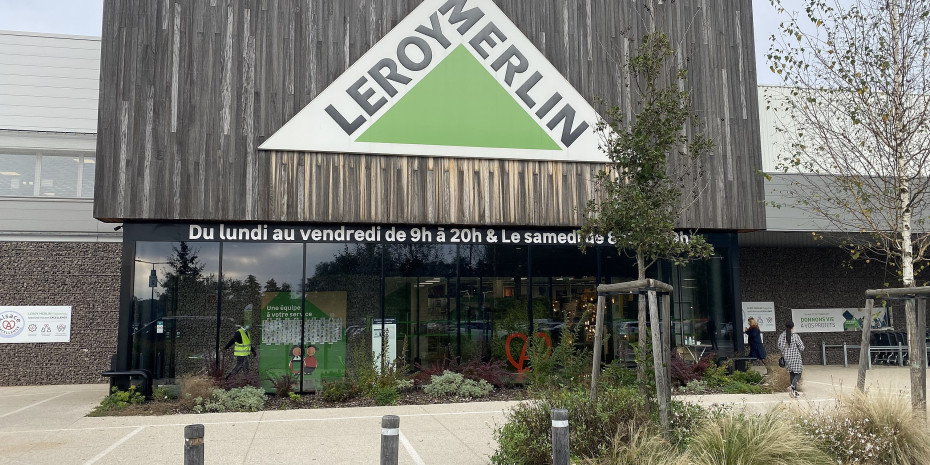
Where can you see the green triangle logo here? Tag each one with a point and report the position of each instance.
(459, 103)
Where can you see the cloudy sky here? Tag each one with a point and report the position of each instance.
(83, 17)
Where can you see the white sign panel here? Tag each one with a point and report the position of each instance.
(377, 341)
(454, 78)
(35, 324)
(763, 312)
(827, 320)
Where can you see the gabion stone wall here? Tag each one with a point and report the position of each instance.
(82, 275)
(813, 278)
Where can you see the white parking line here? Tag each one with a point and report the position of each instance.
(410, 450)
(242, 422)
(33, 405)
(114, 446)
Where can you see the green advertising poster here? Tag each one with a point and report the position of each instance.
(322, 356)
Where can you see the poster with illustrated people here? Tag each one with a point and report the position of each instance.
(321, 355)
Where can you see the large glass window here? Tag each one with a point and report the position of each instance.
(343, 300)
(175, 308)
(17, 175)
(314, 310)
(47, 175)
(262, 292)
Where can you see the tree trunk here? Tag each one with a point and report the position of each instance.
(642, 351)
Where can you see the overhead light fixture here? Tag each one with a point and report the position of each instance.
(10, 173)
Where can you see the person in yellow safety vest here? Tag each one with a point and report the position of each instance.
(241, 342)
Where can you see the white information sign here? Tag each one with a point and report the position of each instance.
(390, 330)
(763, 312)
(828, 320)
(25, 324)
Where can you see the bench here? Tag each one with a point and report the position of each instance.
(122, 379)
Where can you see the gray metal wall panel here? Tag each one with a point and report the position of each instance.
(49, 82)
(192, 87)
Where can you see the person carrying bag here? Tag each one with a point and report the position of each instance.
(791, 346)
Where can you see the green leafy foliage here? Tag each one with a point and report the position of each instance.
(642, 193)
(385, 395)
(340, 390)
(118, 400)
(243, 399)
(450, 384)
(526, 437)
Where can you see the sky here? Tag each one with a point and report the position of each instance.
(84, 17)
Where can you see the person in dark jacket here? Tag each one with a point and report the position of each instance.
(756, 349)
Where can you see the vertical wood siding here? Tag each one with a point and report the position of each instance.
(190, 88)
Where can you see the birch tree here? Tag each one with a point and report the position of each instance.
(854, 121)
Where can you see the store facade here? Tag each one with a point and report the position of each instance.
(340, 178)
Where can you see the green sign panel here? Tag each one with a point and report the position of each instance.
(322, 354)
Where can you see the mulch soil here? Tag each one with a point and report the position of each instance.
(313, 401)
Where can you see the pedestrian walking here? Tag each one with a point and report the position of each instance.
(791, 346)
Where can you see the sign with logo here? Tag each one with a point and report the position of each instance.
(763, 312)
(35, 324)
(455, 78)
(826, 320)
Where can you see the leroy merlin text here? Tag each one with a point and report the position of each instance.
(372, 91)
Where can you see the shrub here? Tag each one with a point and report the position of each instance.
(118, 400)
(451, 384)
(369, 374)
(749, 376)
(493, 371)
(683, 372)
(194, 386)
(683, 418)
(426, 372)
(617, 375)
(340, 391)
(243, 399)
(165, 393)
(697, 386)
(283, 385)
(386, 395)
(557, 366)
(778, 378)
(873, 428)
(642, 447)
(526, 437)
(752, 440)
(892, 416)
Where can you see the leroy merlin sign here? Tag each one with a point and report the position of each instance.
(454, 78)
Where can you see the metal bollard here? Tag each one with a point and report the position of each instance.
(390, 435)
(560, 446)
(193, 445)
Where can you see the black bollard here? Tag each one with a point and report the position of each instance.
(560, 446)
(193, 445)
(390, 436)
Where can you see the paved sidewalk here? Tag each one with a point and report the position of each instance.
(47, 424)
(819, 385)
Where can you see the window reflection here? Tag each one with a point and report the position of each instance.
(47, 175)
(175, 307)
(316, 310)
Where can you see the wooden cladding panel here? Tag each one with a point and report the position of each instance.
(190, 88)
(398, 189)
